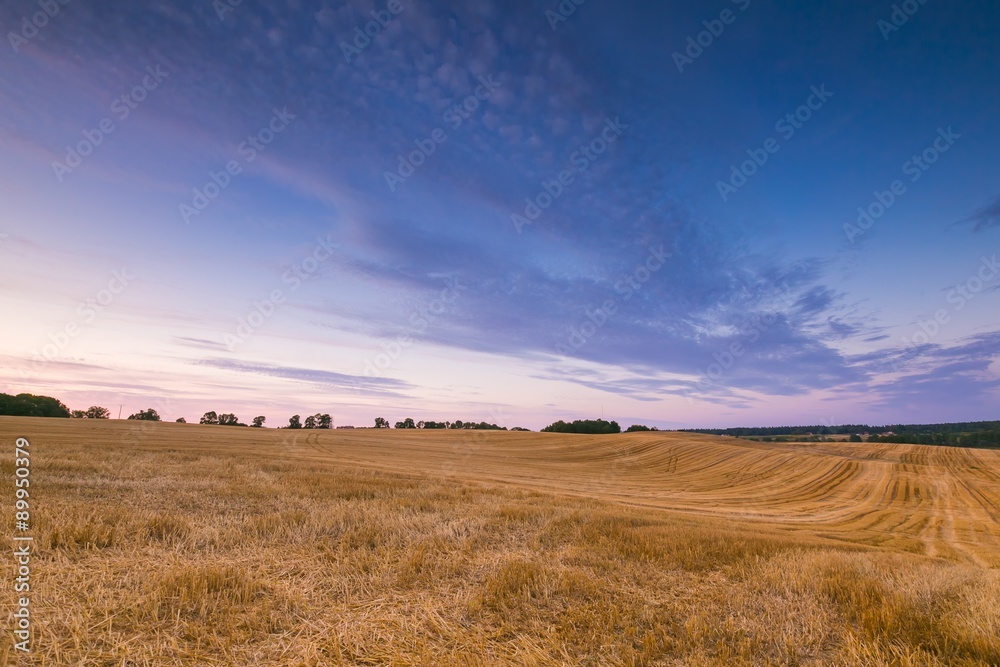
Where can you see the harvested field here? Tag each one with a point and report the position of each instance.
(170, 544)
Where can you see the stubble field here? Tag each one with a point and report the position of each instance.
(171, 544)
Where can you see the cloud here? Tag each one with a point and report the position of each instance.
(527, 296)
(372, 386)
(986, 217)
(936, 382)
(200, 343)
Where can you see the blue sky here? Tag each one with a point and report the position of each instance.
(496, 211)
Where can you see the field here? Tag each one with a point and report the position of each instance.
(173, 544)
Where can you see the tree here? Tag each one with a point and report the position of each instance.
(324, 420)
(406, 423)
(228, 419)
(311, 421)
(181, 420)
(855, 438)
(381, 422)
(258, 422)
(594, 426)
(294, 422)
(209, 418)
(93, 412)
(29, 405)
(149, 415)
(639, 427)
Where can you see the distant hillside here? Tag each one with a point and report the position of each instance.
(847, 429)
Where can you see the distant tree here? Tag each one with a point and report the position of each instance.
(294, 422)
(855, 438)
(638, 427)
(518, 428)
(408, 423)
(593, 426)
(229, 419)
(258, 422)
(310, 421)
(457, 424)
(324, 421)
(149, 415)
(29, 405)
(93, 412)
(381, 423)
(181, 420)
(209, 418)
(421, 423)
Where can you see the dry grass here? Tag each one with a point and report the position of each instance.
(190, 545)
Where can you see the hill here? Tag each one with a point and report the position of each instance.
(183, 544)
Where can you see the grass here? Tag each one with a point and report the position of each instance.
(212, 546)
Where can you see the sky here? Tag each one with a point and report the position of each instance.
(686, 215)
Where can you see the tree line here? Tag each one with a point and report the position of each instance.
(978, 439)
(957, 434)
(593, 426)
(29, 405)
(847, 429)
(382, 422)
